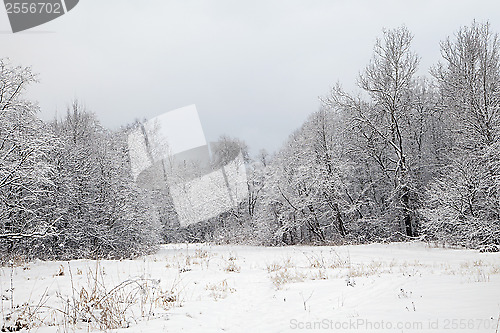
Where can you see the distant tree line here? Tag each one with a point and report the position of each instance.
(406, 157)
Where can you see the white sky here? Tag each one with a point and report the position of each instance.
(177, 130)
(254, 69)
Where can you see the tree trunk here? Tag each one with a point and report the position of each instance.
(407, 218)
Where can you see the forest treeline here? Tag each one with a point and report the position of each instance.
(404, 157)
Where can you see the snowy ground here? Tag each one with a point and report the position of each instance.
(373, 288)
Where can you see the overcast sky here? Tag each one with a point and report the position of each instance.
(254, 69)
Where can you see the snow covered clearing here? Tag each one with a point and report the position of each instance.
(393, 288)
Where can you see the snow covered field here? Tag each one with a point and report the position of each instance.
(372, 288)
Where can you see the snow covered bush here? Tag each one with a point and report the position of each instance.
(463, 207)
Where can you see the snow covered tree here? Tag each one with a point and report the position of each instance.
(464, 200)
(393, 129)
(104, 213)
(469, 84)
(225, 149)
(305, 194)
(26, 171)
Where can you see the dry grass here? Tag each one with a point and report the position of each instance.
(332, 260)
(219, 290)
(107, 307)
(96, 304)
(320, 274)
(277, 265)
(232, 267)
(26, 316)
(287, 275)
(331, 265)
(184, 261)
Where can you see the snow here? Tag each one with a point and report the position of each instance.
(403, 287)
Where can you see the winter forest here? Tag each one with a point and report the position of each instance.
(380, 212)
(405, 157)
